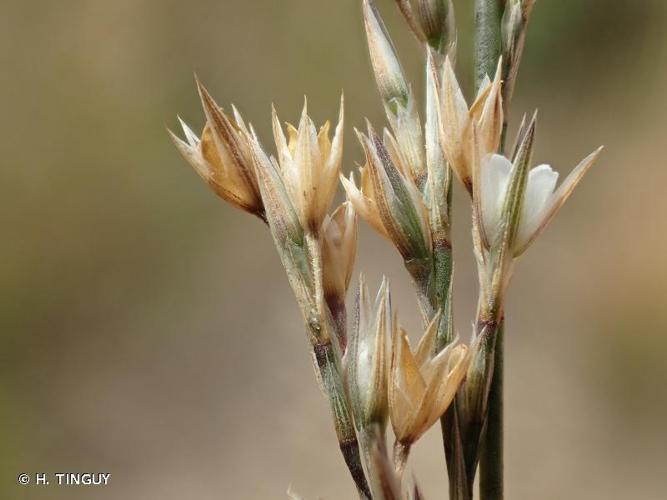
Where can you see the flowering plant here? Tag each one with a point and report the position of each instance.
(373, 376)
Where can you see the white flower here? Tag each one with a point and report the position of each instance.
(541, 199)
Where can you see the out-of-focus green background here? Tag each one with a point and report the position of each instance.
(147, 329)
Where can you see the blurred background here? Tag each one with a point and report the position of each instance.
(147, 329)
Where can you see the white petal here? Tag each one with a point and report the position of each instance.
(495, 173)
(539, 191)
(556, 200)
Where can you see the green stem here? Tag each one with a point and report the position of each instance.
(328, 359)
(487, 38)
(372, 439)
(473, 396)
(449, 422)
(487, 51)
(332, 381)
(491, 461)
(456, 469)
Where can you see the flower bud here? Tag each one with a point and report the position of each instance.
(432, 22)
(436, 18)
(339, 250)
(439, 178)
(399, 203)
(514, 26)
(407, 141)
(366, 360)
(388, 73)
(280, 213)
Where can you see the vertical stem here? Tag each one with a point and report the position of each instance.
(332, 381)
(456, 469)
(487, 51)
(474, 396)
(327, 357)
(491, 461)
(487, 38)
(372, 437)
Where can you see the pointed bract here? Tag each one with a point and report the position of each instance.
(439, 178)
(453, 123)
(487, 114)
(280, 213)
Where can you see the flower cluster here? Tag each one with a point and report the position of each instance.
(404, 193)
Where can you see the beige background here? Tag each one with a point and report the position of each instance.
(147, 329)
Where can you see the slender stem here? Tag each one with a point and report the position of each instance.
(474, 398)
(373, 440)
(327, 357)
(332, 381)
(487, 38)
(422, 276)
(456, 469)
(491, 461)
(487, 51)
